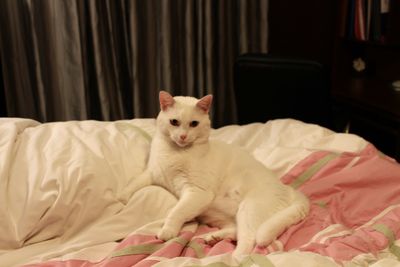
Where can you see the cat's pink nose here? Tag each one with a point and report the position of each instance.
(183, 137)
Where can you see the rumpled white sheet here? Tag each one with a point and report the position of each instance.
(60, 182)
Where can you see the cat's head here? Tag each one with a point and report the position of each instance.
(184, 120)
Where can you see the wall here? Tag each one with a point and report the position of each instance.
(304, 29)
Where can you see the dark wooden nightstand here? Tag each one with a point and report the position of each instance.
(364, 68)
(370, 108)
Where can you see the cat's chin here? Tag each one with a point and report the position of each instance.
(182, 144)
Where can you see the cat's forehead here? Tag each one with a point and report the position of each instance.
(185, 109)
(185, 106)
(186, 100)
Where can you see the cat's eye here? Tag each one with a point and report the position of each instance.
(194, 124)
(174, 122)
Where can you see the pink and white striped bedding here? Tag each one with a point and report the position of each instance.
(61, 185)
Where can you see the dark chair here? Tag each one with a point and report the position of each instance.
(269, 87)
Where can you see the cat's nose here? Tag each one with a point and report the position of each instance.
(183, 137)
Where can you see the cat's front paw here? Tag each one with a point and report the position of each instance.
(167, 233)
(216, 236)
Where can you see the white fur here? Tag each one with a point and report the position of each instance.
(219, 184)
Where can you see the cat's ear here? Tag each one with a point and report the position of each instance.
(205, 103)
(166, 100)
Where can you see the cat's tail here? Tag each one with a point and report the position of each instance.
(278, 222)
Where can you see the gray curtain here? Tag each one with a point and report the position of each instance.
(107, 60)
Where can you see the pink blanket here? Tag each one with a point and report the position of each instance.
(355, 212)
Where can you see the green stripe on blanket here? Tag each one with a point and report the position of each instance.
(250, 261)
(146, 249)
(197, 249)
(313, 169)
(389, 234)
(386, 231)
(214, 264)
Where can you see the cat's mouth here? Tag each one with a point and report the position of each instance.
(182, 143)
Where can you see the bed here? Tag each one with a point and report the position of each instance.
(62, 200)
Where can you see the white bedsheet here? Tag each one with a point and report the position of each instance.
(60, 183)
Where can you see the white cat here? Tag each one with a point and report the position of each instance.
(217, 183)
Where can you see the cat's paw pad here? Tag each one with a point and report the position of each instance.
(167, 233)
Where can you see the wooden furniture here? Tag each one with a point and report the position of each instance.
(365, 102)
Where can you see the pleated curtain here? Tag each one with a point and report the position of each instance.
(107, 60)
